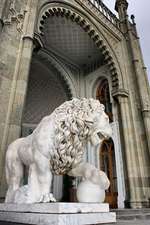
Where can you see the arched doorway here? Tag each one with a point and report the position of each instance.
(107, 152)
(107, 164)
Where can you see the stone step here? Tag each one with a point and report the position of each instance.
(132, 216)
(131, 211)
(134, 222)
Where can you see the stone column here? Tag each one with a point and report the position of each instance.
(141, 76)
(119, 164)
(139, 108)
(139, 70)
(17, 45)
(134, 191)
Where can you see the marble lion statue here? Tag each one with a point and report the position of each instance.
(56, 146)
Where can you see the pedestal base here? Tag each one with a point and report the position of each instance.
(56, 214)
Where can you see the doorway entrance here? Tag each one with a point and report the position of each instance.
(107, 151)
(107, 164)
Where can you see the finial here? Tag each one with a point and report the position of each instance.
(120, 3)
(133, 19)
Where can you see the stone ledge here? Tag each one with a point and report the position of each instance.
(58, 207)
(57, 214)
(57, 219)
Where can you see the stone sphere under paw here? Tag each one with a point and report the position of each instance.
(89, 192)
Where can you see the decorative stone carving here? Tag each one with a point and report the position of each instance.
(13, 15)
(56, 146)
(94, 184)
(49, 10)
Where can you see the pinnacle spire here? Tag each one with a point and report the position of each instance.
(120, 3)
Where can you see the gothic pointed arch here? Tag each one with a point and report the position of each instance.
(63, 71)
(48, 87)
(103, 95)
(78, 17)
(50, 59)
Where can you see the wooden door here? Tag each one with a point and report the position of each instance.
(107, 164)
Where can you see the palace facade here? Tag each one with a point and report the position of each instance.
(54, 50)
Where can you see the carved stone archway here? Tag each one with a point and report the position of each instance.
(63, 71)
(64, 10)
(48, 87)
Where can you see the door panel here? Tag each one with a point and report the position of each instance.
(107, 164)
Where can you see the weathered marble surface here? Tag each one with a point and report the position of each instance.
(92, 187)
(58, 207)
(57, 213)
(56, 146)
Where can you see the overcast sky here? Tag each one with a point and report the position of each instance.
(141, 10)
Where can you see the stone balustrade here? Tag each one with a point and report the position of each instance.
(106, 12)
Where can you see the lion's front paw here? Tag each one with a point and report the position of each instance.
(47, 198)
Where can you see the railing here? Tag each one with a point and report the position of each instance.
(106, 12)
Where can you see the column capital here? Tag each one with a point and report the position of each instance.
(29, 37)
(120, 93)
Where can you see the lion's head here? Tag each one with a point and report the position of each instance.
(76, 122)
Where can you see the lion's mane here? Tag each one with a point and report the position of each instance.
(73, 127)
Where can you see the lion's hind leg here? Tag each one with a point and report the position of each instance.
(14, 171)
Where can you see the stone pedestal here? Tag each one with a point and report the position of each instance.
(56, 214)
